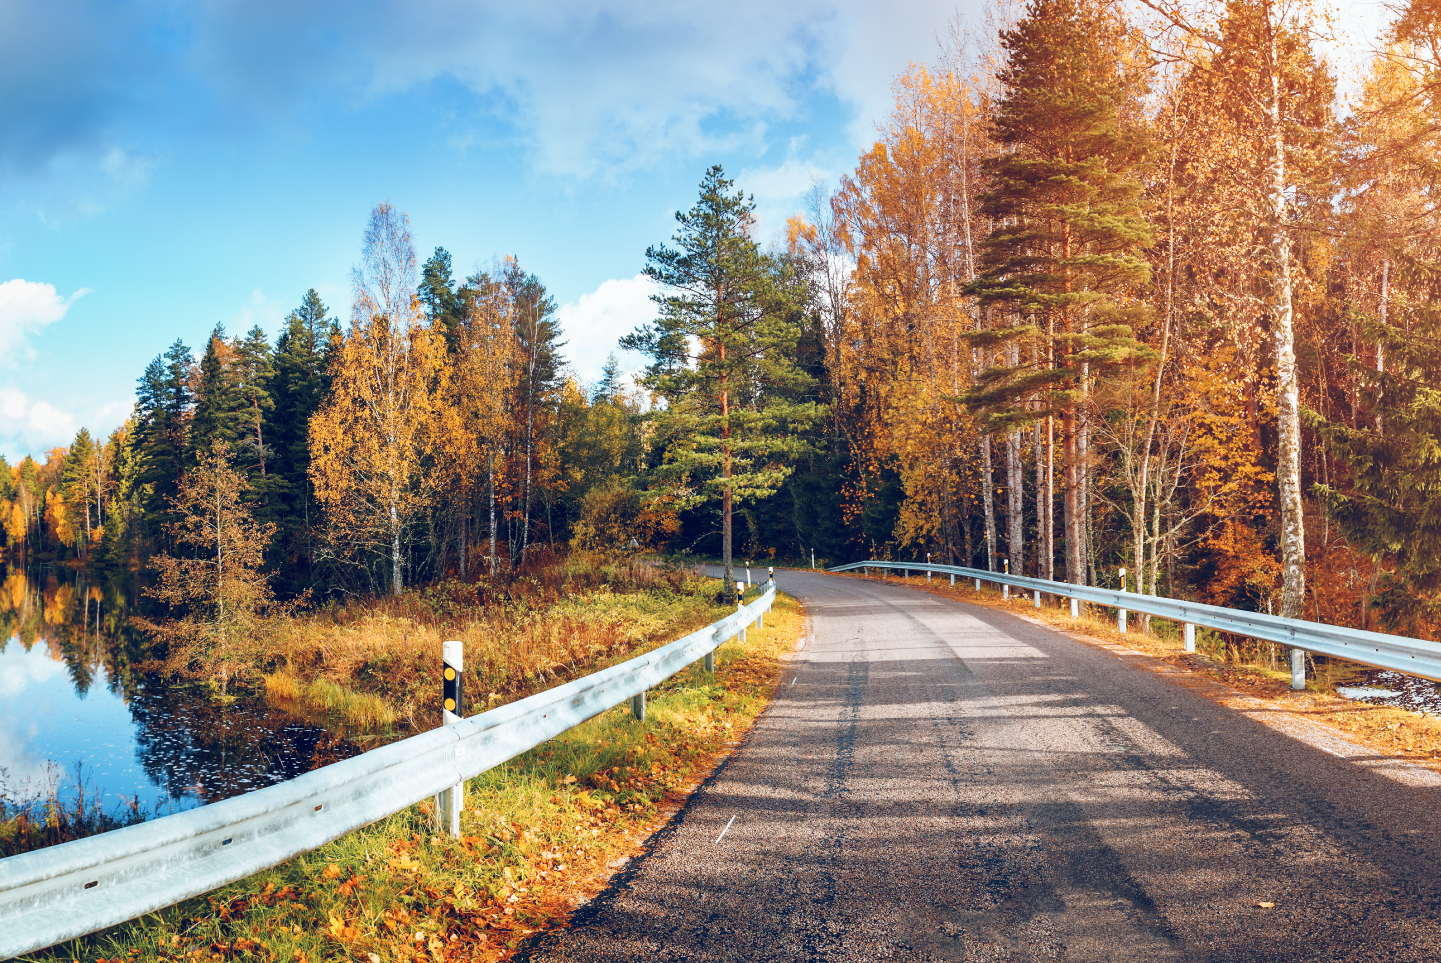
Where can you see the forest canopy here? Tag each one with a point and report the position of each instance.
(1114, 287)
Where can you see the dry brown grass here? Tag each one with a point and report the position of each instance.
(371, 668)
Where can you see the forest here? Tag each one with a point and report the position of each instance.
(1105, 293)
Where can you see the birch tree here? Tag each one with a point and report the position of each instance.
(370, 439)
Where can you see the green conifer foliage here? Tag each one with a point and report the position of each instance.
(1390, 507)
(722, 356)
(164, 405)
(437, 292)
(1064, 259)
(218, 415)
(253, 372)
(298, 384)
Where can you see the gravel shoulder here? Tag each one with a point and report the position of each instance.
(939, 781)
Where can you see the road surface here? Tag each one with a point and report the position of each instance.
(937, 781)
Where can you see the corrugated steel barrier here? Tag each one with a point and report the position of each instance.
(65, 891)
(1411, 656)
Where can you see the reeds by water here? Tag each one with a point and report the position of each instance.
(33, 817)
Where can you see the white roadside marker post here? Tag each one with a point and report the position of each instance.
(1298, 668)
(928, 568)
(1121, 613)
(449, 802)
(1190, 637)
(1006, 587)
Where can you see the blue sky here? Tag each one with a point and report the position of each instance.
(168, 166)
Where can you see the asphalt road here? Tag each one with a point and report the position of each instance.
(947, 782)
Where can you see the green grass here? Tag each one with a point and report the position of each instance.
(537, 834)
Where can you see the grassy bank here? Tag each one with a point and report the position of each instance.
(370, 669)
(540, 835)
(1244, 670)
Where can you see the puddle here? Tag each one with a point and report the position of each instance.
(1386, 688)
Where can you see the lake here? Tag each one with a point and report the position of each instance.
(79, 708)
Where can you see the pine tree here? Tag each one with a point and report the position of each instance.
(301, 378)
(77, 485)
(722, 355)
(1390, 507)
(537, 334)
(253, 372)
(437, 294)
(609, 384)
(1065, 254)
(218, 402)
(164, 405)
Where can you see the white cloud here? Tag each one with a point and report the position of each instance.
(596, 321)
(28, 426)
(590, 86)
(26, 307)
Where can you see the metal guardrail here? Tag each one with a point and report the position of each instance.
(56, 894)
(1397, 652)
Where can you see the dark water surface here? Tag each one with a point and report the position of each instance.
(75, 710)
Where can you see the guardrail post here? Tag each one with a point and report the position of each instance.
(928, 568)
(978, 585)
(1038, 598)
(1298, 668)
(1190, 637)
(1121, 613)
(637, 706)
(1075, 608)
(449, 802)
(953, 580)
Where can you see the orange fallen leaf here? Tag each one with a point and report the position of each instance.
(1266, 905)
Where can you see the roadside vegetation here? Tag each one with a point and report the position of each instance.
(541, 835)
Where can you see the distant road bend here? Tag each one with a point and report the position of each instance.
(936, 781)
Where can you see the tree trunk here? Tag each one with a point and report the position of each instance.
(988, 502)
(1073, 515)
(490, 464)
(1288, 407)
(1015, 491)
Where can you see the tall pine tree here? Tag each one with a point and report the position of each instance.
(164, 406)
(218, 415)
(722, 355)
(300, 380)
(1065, 255)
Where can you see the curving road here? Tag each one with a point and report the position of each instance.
(947, 782)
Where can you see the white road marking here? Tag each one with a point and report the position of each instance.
(724, 831)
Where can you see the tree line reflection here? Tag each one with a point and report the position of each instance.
(190, 744)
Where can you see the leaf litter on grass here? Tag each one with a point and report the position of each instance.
(538, 837)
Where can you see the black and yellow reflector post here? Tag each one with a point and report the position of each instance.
(450, 801)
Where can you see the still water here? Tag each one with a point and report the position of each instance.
(80, 712)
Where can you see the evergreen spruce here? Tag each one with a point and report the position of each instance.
(164, 405)
(298, 384)
(218, 416)
(1390, 507)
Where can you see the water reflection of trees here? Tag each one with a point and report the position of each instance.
(189, 743)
